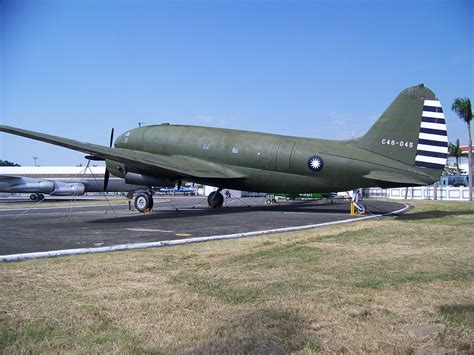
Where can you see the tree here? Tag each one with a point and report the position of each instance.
(7, 163)
(448, 170)
(462, 108)
(455, 151)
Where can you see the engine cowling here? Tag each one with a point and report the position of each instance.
(145, 180)
(68, 189)
(120, 170)
(115, 168)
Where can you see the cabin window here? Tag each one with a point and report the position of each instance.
(205, 146)
(235, 150)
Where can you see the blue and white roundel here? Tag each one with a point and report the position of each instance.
(315, 163)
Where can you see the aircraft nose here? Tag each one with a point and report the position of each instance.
(122, 140)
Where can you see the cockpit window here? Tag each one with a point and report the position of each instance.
(124, 137)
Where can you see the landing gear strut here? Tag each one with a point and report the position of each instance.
(215, 199)
(356, 207)
(144, 202)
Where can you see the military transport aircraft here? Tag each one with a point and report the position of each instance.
(407, 146)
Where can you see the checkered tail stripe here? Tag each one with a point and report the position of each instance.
(432, 149)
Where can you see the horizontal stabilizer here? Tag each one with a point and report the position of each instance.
(393, 178)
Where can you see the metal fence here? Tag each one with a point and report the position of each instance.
(443, 193)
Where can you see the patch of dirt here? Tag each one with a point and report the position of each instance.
(424, 331)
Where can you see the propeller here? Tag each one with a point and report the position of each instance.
(111, 138)
(107, 172)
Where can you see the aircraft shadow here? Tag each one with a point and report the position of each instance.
(303, 207)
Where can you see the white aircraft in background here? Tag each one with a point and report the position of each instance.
(60, 181)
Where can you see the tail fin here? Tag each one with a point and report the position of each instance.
(412, 130)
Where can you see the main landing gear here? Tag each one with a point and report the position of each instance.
(215, 199)
(144, 202)
(36, 197)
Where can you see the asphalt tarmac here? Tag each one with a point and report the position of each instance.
(28, 227)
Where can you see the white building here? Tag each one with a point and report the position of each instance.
(56, 172)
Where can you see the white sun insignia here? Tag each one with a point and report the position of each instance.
(315, 163)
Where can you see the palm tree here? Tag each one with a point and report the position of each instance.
(462, 108)
(455, 151)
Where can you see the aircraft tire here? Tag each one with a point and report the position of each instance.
(143, 202)
(215, 199)
(40, 197)
(33, 197)
(361, 209)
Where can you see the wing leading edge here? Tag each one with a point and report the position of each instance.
(174, 165)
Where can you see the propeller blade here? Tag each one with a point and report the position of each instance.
(107, 172)
(106, 179)
(111, 138)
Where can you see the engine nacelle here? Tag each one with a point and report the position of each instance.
(68, 189)
(115, 168)
(145, 180)
(119, 170)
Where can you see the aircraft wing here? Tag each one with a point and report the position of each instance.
(175, 165)
(9, 178)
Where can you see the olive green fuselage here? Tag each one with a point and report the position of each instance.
(269, 162)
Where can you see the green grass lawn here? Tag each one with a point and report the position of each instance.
(391, 285)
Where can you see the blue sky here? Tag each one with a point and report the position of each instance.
(322, 69)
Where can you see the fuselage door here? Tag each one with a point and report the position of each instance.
(283, 156)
